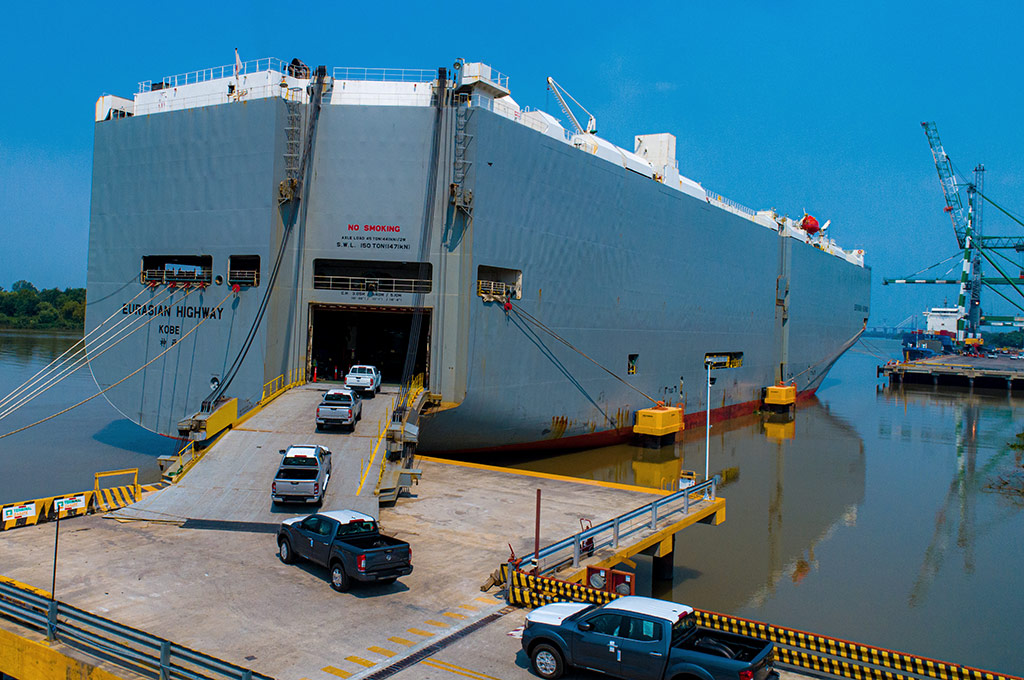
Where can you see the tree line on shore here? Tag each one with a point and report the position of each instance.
(24, 306)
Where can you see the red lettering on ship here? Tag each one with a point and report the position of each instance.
(353, 227)
(381, 227)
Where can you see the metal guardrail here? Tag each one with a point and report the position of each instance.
(391, 75)
(728, 202)
(215, 72)
(128, 647)
(296, 94)
(655, 515)
(360, 283)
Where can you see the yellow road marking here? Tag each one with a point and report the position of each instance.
(336, 671)
(361, 661)
(380, 650)
(439, 624)
(545, 475)
(468, 606)
(485, 600)
(453, 615)
(401, 641)
(459, 670)
(414, 631)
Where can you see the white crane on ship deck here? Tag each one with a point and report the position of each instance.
(559, 92)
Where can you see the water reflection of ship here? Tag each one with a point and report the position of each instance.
(790, 496)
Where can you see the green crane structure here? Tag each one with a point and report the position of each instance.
(967, 225)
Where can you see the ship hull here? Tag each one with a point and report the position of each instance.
(625, 284)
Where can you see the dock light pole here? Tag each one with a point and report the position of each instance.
(714, 361)
(707, 426)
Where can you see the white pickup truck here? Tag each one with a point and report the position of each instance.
(363, 378)
(303, 475)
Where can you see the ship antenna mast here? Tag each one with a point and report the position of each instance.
(560, 94)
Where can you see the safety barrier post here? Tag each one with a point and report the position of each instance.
(165, 660)
(576, 551)
(51, 621)
(654, 516)
(615, 533)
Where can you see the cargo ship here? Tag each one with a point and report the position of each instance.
(262, 221)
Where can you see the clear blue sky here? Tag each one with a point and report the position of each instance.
(795, 105)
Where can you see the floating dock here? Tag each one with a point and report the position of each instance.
(1000, 373)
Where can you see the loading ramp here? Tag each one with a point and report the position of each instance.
(231, 483)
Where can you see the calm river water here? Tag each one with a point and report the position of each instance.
(869, 519)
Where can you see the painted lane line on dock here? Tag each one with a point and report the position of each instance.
(401, 641)
(361, 661)
(459, 670)
(546, 475)
(453, 615)
(439, 624)
(383, 652)
(469, 607)
(419, 631)
(336, 671)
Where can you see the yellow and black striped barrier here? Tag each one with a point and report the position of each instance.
(28, 513)
(797, 648)
(533, 591)
(868, 661)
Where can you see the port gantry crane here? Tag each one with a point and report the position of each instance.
(968, 230)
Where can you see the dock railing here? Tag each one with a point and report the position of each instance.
(655, 515)
(129, 648)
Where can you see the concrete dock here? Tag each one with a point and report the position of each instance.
(999, 373)
(224, 592)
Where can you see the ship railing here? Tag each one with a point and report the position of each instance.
(400, 415)
(244, 277)
(386, 75)
(372, 285)
(174, 103)
(160, 276)
(729, 203)
(652, 517)
(215, 73)
(182, 462)
(502, 109)
(130, 648)
(494, 289)
(285, 381)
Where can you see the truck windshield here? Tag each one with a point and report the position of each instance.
(683, 627)
(341, 398)
(357, 528)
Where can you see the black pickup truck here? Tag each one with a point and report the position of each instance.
(642, 639)
(348, 543)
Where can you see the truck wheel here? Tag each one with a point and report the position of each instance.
(285, 551)
(547, 662)
(339, 579)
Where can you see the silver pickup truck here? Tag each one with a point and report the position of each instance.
(303, 475)
(339, 407)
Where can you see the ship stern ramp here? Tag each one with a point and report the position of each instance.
(231, 483)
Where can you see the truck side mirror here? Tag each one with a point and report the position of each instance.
(585, 626)
(282, 451)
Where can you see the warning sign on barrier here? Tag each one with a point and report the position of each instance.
(22, 511)
(69, 503)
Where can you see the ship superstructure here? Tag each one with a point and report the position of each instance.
(545, 282)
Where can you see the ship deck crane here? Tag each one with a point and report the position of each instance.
(560, 95)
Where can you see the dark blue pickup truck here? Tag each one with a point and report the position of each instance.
(643, 639)
(348, 543)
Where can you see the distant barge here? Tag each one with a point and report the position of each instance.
(1001, 373)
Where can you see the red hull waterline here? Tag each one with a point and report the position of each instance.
(618, 435)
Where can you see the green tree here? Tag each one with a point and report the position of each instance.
(46, 315)
(23, 285)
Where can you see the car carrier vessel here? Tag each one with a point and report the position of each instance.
(265, 219)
